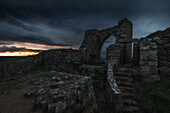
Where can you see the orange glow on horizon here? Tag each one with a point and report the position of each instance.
(39, 46)
(19, 53)
(31, 46)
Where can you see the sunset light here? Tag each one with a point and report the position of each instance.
(27, 49)
(18, 53)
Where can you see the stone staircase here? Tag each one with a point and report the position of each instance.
(125, 83)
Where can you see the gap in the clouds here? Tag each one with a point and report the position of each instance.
(26, 49)
(108, 41)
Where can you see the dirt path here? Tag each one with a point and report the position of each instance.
(12, 101)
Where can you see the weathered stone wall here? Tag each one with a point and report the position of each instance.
(98, 75)
(127, 52)
(94, 39)
(113, 54)
(148, 60)
(136, 55)
(89, 47)
(164, 59)
(124, 36)
(164, 55)
(154, 55)
(21, 65)
(162, 39)
(62, 59)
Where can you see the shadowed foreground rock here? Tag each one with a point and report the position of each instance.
(63, 92)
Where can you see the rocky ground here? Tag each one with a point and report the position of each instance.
(49, 92)
(57, 92)
(12, 100)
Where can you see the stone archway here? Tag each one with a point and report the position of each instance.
(110, 39)
(94, 39)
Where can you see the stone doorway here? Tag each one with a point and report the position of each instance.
(110, 40)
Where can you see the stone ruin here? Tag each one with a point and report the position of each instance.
(150, 54)
(94, 39)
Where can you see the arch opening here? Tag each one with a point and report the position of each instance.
(108, 41)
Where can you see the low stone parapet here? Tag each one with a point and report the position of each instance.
(113, 92)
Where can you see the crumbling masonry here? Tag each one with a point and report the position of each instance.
(94, 39)
(150, 54)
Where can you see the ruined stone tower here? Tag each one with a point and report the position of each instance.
(94, 39)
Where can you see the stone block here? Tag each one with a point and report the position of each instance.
(167, 45)
(151, 78)
(153, 63)
(164, 71)
(149, 39)
(153, 55)
(144, 70)
(144, 55)
(156, 38)
(153, 70)
(164, 63)
(143, 63)
(163, 58)
(144, 48)
(153, 46)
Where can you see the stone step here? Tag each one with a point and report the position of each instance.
(128, 70)
(130, 109)
(126, 89)
(123, 69)
(125, 79)
(129, 102)
(98, 85)
(124, 74)
(98, 92)
(119, 83)
(127, 95)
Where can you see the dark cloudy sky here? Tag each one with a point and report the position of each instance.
(45, 24)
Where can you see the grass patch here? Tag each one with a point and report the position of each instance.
(31, 76)
(154, 97)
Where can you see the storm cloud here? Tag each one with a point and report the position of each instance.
(63, 22)
(15, 49)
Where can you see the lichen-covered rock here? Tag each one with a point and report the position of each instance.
(64, 92)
